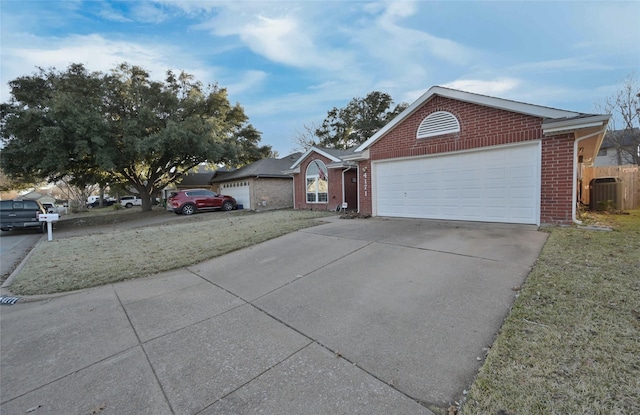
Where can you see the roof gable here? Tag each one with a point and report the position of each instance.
(483, 100)
(333, 154)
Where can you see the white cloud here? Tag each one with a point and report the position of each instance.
(497, 87)
(567, 64)
(281, 34)
(249, 81)
(109, 13)
(609, 27)
(400, 9)
(278, 39)
(412, 95)
(95, 52)
(148, 13)
(394, 39)
(399, 56)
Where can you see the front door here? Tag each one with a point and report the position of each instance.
(351, 189)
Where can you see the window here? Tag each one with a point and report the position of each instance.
(317, 183)
(602, 152)
(438, 123)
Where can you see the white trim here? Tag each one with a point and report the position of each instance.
(313, 150)
(559, 126)
(358, 156)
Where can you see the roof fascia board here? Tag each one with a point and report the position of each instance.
(342, 165)
(504, 104)
(499, 103)
(556, 126)
(291, 171)
(358, 156)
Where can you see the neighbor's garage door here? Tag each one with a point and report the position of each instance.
(239, 191)
(490, 185)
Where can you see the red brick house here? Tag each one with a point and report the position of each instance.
(324, 180)
(456, 155)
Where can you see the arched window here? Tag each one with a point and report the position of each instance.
(317, 182)
(438, 123)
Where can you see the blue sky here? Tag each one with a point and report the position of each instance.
(288, 63)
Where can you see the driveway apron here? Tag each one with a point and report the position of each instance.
(370, 316)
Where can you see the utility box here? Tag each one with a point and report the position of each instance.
(605, 193)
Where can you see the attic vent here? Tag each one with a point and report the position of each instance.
(438, 123)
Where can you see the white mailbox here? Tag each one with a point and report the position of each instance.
(49, 218)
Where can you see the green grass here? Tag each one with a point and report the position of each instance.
(72, 263)
(571, 344)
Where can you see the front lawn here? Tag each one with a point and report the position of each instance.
(571, 344)
(72, 263)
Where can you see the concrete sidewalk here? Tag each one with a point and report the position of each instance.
(355, 316)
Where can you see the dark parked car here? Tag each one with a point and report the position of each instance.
(191, 201)
(21, 214)
(105, 202)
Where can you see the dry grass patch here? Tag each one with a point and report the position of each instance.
(571, 344)
(85, 261)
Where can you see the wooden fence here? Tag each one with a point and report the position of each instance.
(630, 175)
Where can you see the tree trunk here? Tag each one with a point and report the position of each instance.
(146, 198)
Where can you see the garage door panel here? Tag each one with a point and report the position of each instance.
(498, 185)
(240, 192)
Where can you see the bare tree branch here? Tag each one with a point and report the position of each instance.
(624, 127)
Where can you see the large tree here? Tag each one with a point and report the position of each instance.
(362, 117)
(52, 126)
(121, 127)
(624, 127)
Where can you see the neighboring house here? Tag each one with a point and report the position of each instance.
(261, 185)
(456, 155)
(195, 181)
(33, 195)
(612, 155)
(197, 178)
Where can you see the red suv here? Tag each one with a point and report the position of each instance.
(190, 201)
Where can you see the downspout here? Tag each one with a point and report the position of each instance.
(358, 183)
(293, 184)
(574, 196)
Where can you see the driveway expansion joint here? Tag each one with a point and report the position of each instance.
(146, 356)
(256, 377)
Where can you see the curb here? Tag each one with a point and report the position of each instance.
(5, 285)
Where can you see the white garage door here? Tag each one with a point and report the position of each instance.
(239, 191)
(491, 185)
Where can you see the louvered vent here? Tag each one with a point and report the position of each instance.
(438, 123)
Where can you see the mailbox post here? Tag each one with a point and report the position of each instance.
(49, 218)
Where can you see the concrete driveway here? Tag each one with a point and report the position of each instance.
(378, 316)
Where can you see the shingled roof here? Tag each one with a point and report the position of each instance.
(270, 167)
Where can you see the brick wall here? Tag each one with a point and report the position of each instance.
(481, 127)
(275, 193)
(557, 179)
(364, 180)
